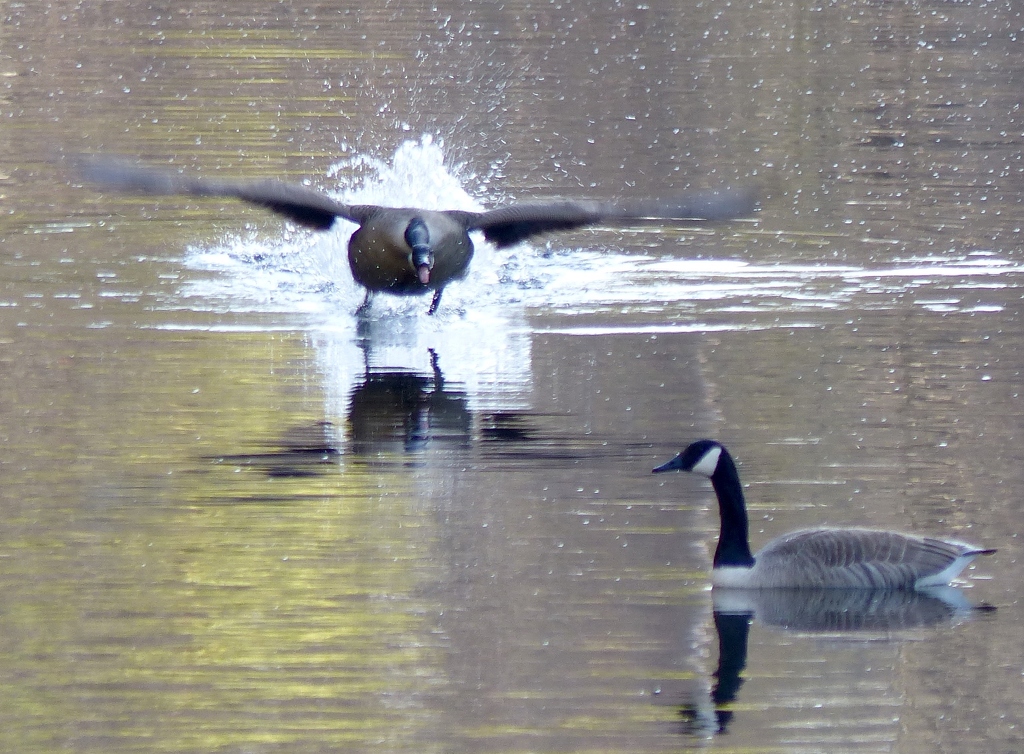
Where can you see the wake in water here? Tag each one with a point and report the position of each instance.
(480, 338)
(308, 273)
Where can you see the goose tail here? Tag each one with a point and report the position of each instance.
(950, 572)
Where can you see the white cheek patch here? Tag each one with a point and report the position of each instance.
(708, 463)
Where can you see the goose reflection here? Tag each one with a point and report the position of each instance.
(402, 411)
(827, 612)
(303, 451)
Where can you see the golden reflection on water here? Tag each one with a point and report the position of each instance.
(486, 567)
(201, 603)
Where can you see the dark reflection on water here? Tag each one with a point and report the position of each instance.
(404, 411)
(732, 630)
(304, 451)
(505, 426)
(836, 614)
(841, 610)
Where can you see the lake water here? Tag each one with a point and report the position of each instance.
(238, 517)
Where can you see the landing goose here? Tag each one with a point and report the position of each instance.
(815, 558)
(411, 251)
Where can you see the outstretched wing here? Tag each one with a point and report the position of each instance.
(507, 226)
(299, 204)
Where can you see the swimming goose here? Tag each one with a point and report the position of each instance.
(815, 558)
(412, 251)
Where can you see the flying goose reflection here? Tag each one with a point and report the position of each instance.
(407, 251)
(396, 410)
(305, 450)
(815, 558)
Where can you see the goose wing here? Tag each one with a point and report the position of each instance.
(863, 558)
(507, 226)
(301, 205)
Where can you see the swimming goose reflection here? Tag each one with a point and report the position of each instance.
(855, 613)
(847, 610)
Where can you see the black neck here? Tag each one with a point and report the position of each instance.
(733, 545)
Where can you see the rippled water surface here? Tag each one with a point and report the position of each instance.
(240, 517)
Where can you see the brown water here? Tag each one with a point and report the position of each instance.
(238, 519)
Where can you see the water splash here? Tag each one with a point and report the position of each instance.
(300, 272)
(479, 338)
(309, 272)
(480, 335)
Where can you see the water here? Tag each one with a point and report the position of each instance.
(238, 518)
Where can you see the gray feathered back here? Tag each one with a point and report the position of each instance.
(854, 558)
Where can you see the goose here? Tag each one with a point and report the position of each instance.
(409, 251)
(815, 558)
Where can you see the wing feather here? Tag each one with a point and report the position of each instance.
(301, 205)
(507, 226)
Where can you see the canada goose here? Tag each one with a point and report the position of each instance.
(815, 558)
(412, 251)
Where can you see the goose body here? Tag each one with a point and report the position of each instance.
(815, 558)
(381, 258)
(412, 251)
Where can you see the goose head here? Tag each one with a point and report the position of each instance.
(417, 236)
(710, 458)
(700, 457)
